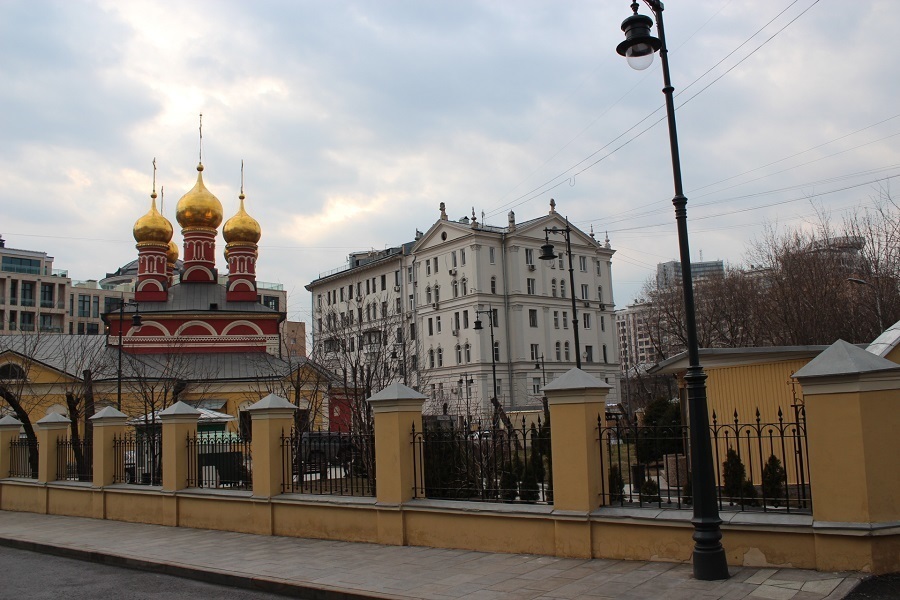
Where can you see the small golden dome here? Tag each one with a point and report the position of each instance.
(152, 227)
(199, 208)
(241, 227)
(172, 253)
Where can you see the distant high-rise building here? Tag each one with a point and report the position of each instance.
(669, 273)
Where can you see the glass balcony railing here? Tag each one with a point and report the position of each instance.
(27, 302)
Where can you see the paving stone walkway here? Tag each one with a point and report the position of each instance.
(330, 570)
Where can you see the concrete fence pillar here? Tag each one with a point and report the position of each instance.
(271, 417)
(9, 431)
(178, 422)
(396, 410)
(108, 424)
(50, 430)
(576, 399)
(852, 402)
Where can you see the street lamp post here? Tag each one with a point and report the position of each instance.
(709, 555)
(466, 381)
(402, 345)
(478, 327)
(874, 287)
(539, 366)
(136, 323)
(548, 254)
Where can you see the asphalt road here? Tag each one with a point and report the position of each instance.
(883, 587)
(30, 576)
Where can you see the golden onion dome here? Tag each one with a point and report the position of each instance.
(199, 208)
(152, 227)
(172, 253)
(241, 227)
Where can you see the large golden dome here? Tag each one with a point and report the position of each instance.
(172, 253)
(199, 208)
(241, 227)
(152, 227)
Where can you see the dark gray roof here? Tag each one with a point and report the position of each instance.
(715, 356)
(72, 354)
(200, 297)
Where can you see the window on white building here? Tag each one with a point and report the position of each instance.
(529, 256)
(582, 264)
(496, 352)
(535, 352)
(493, 285)
(532, 317)
(586, 320)
(556, 319)
(536, 385)
(565, 320)
(530, 284)
(566, 350)
(491, 257)
(558, 352)
(584, 291)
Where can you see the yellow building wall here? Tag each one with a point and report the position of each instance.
(766, 387)
(745, 388)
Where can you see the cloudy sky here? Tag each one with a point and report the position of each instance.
(356, 119)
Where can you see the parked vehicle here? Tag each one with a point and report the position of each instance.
(318, 450)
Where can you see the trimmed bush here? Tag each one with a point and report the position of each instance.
(733, 474)
(773, 477)
(649, 491)
(616, 484)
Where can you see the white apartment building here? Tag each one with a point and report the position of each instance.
(422, 300)
(636, 348)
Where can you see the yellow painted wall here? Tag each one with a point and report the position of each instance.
(522, 531)
(745, 388)
(488, 533)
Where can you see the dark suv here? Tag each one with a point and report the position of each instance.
(320, 449)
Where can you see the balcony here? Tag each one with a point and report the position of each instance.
(26, 327)
(27, 302)
(47, 304)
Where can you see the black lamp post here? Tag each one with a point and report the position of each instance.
(547, 254)
(402, 345)
(874, 288)
(465, 380)
(136, 323)
(478, 327)
(539, 366)
(709, 555)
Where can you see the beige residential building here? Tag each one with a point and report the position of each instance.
(32, 292)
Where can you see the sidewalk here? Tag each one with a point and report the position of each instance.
(341, 570)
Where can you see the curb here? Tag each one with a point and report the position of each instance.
(233, 580)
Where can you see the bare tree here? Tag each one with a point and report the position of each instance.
(368, 343)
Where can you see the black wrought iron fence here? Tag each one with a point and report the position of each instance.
(23, 458)
(483, 462)
(328, 463)
(74, 460)
(219, 460)
(759, 466)
(138, 459)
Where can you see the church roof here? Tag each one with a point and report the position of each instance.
(200, 297)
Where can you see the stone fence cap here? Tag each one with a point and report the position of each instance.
(843, 358)
(180, 409)
(396, 391)
(53, 418)
(272, 401)
(109, 413)
(10, 421)
(576, 379)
